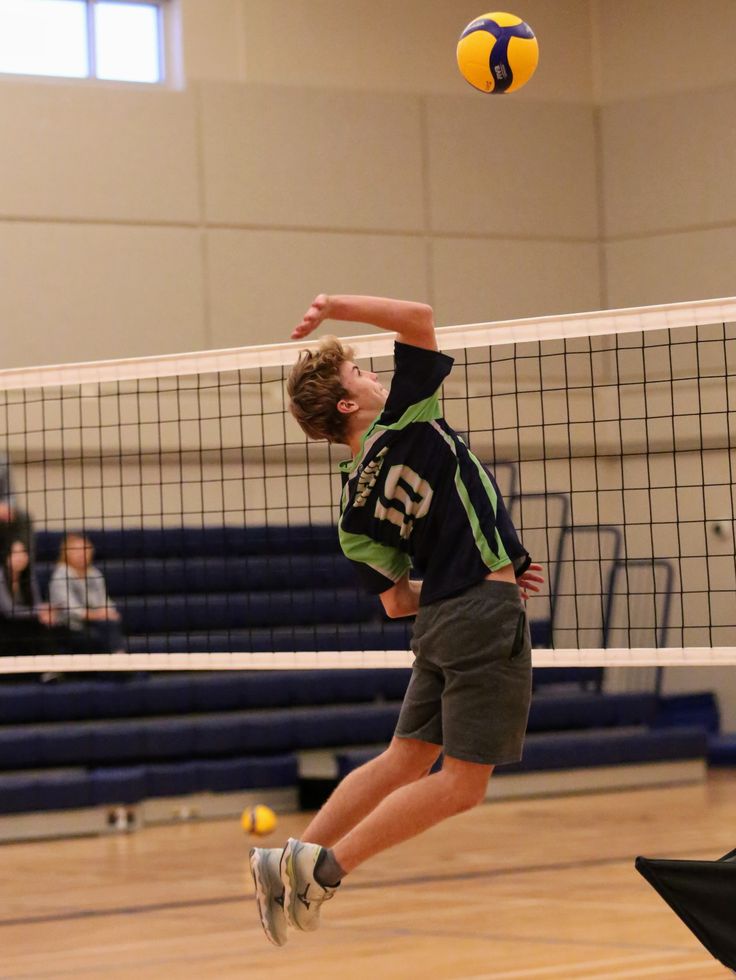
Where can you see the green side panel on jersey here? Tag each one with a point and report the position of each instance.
(490, 559)
(493, 496)
(426, 410)
(390, 562)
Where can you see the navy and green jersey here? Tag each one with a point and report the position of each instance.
(415, 495)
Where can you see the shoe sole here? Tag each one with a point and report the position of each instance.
(256, 871)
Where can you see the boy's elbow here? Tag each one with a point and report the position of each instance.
(391, 605)
(425, 315)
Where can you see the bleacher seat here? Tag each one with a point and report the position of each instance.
(64, 745)
(116, 786)
(689, 709)
(201, 692)
(173, 779)
(79, 788)
(18, 793)
(722, 749)
(582, 709)
(63, 791)
(584, 749)
(608, 747)
(168, 738)
(20, 702)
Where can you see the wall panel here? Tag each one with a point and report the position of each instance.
(480, 280)
(669, 162)
(669, 268)
(81, 292)
(497, 166)
(278, 156)
(97, 152)
(654, 47)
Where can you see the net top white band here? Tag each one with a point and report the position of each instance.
(328, 660)
(531, 330)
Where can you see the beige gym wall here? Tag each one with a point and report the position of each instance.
(665, 79)
(136, 220)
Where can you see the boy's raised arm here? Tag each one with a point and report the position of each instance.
(413, 323)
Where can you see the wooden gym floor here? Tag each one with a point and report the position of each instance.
(542, 889)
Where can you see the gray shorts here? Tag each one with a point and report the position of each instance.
(470, 687)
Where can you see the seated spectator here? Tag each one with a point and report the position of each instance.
(79, 598)
(15, 524)
(27, 626)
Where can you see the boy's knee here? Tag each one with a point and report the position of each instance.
(409, 760)
(468, 788)
(467, 795)
(476, 794)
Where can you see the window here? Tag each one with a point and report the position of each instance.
(119, 40)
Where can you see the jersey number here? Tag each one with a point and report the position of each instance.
(406, 497)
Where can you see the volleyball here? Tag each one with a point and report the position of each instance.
(497, 53)
(259, 820)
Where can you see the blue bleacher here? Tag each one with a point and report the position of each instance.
(722, 749)
(124, 760)
(100, 742)
(585, 749)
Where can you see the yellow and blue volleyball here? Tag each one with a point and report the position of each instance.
(497, 53)
(259, 820)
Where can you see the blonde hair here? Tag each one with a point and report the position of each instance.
(315, 388)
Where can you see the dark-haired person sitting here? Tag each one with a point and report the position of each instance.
(15, 524)
(27, 626)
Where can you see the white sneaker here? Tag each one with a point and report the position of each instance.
(303, 894)
(264, 866)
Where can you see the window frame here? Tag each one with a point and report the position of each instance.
(165, 53)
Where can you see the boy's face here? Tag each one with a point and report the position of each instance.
(363, 387)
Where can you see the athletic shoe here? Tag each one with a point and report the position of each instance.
(303, 894)
(264, 866)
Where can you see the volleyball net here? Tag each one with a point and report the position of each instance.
(213, 518)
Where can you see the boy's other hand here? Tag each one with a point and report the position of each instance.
(317, 312)
(530, 581)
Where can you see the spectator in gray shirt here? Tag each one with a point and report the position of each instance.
(79, 598)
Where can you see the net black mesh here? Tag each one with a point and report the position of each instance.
(213, 518)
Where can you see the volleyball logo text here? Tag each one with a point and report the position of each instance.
(368, 477)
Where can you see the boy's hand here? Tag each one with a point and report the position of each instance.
(528, 581)
(317, 312)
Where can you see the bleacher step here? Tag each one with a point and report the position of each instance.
(99, 820)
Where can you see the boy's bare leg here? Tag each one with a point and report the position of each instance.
(412, 809)
(362, 790)
(310, 872)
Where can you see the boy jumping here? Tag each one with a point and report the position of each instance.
(413, 495)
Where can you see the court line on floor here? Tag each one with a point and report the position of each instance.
(425, 879)
(570, 969)
(649, 971)
(507, 936)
